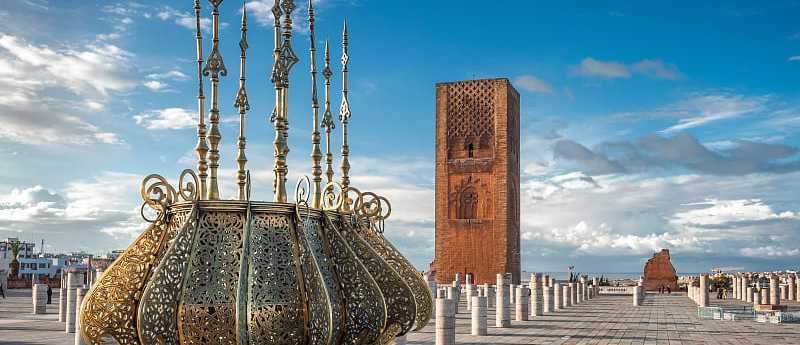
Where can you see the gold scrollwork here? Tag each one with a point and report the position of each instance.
(157, 193)
(332, 198)
(302, 194)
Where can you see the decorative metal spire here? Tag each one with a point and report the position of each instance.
(215, 68)
(285, 59)
(327, 118)
(202, 145)
(243, 104)
(344, 112)
(316, 154)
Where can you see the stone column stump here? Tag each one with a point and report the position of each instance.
(521, 300)
(445, 322)
(39, 294)
(479, 305)
(502, 306)
(637, 294)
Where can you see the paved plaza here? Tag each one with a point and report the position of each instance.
(662, 319)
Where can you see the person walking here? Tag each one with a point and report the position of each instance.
(2, 292)
(49, 294)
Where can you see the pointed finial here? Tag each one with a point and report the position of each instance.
(344, 115)
(202, 146)
(285, 59)
(214, 68)
(316, 153)
(243, 104)
(327, 118)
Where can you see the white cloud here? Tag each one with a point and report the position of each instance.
(652, 68)
(590, 67)
(154, 85)
(531, 83)
(168, 118)
(185, 19)
(657, 69)
(168, 75)
(794, 58)
(30, 73)
(703, 108)
(722, 212)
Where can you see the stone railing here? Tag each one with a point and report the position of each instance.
(616, 290)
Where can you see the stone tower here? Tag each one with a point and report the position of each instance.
(477, 180)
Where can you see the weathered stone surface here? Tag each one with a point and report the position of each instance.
(477, 180)
(659, 272)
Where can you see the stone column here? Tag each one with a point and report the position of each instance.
(579, 292)
(458, 278)
(547, 281)
(547, 299)
(445, 322)
(784, 292)
(703, 290)
(62, 300)
(74, 280)
(749, 295)
(792, 288)
(558, 303)
(637, 293)
(470, 293)
(537, 298)
(521, 299)
(756, 297)
(502, 308)
(797, 290)
(765, 296)
(470, 279)
(511, 290)
(745, 281)
(736, 287)
(573, 293)
(79, 294)
(452, 294)
(775, 292)
(566, 295)
(487, 292)
(478, 315)
(39, 294)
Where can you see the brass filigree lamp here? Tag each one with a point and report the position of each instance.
(213, 271)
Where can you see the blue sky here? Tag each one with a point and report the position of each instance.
(644, 125)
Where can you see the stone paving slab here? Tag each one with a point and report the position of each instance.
(662, 319)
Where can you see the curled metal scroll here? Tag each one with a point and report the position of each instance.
(302, 193)
(332, 196)
(158, 194)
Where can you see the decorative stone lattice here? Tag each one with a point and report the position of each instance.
(471, 110)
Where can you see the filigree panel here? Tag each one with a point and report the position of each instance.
(157, 313)
(412, 278)
(400, 303)
(365, 307)
(313, 232)
(318, 296)
(275, 305)
(208, 296)
(109, 310)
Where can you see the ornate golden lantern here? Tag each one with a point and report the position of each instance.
(211, 271)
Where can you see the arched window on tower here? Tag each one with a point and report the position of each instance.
(470, 150)
(468, 204)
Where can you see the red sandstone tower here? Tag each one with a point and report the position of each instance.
(477, 180)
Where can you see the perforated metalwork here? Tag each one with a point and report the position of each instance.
(208, 295)
(109, 309)
(400, 307)
(365, 307)
(157, 311)
(412, 278)
(275, 303)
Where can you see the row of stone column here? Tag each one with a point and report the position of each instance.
(699, 294)
(536, 299)
(771, 295)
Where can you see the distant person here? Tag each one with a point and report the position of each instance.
(719, 293)
(2, 292)
(49, 294)
(669, 290)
